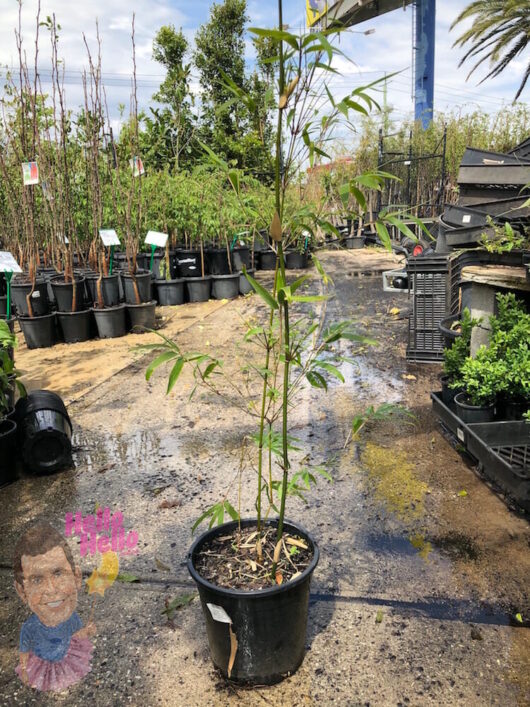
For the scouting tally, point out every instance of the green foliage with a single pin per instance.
(9, 375)
(383, 412)
(498, 34)
(455, 355)
(504, 238)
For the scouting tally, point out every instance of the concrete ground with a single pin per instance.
(414, 597)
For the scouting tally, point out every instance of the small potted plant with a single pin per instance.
(456, 354)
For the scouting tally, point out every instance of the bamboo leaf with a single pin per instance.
(175, 373)
(158, 361)
(261, 291)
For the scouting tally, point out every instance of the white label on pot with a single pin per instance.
(466, 218)
(156, 238)
(109, 236)
(35, 295)
(186, 260)
(8, 263)
(219, 614)
(460, 434)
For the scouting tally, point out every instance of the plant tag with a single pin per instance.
(460, 434)
(466, 218)
(35, 295)
(8, 263)
(109, 236)
(30, 173)
(156, 238)
(219, 614)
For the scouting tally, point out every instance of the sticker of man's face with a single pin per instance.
(50, 586)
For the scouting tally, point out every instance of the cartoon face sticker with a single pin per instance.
(55, 648)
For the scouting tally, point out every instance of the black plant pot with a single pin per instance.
(512, 410)
(64, 293)
(3, 307)
(39, 299)
(354, 242)
(110, 289)
(143, 280)
(473, 413)
(449, 335)
(218, 261)
(39, 332)
(170, 292)
(199, 288)
(244, 285)
(448, 394)
(158, 259)
(188, 262)
(45, 432)
(240, 258)
(267, 260)
(8, 438)
(269, 625)
(294, 260)
(141, 316)
(75, 326)
(110, 322)
(225, 286)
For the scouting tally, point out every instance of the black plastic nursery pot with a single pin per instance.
(449, 335)
(39, 332)
(3, 306)
(472, 413)
(45, 432)
(267, 260)
(75, 326)
(512, 410)
(240, 258)
(269, 625)
(244, 285)
(170, 292)
(110, 321)
(225, 286)
(110, 289)
(188, 262)
(448, 393)
(141, 316)
(64, 293)
(354, 242)
(8, 438)
(218, 261)
(20, 289)
(143, 280)
(199, 288)
(294, 260)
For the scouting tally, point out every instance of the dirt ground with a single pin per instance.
(414, 599)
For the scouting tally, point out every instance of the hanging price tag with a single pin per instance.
(30, 173)
(156, 238)
(109, 237)
(8, 263)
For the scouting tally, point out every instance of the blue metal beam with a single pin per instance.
(424, 60)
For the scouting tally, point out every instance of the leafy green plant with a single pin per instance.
(455, 355)
(385, 411)
(504, 238)
(9, 375)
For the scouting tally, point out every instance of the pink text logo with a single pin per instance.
(101, 533)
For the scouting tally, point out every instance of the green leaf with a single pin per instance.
(384, 235)
(213, 157)
(261, 291)
(277, 35)
(167, 356)
(231, 511)
(126, 577)
(316, 380)
(358, 196)
(310, 298)
(333, 370)
(379, 617)
(177, 603)
(519, 618)
(233, 177)
(175, 373)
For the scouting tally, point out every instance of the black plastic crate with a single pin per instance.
(502, 449)
(428, 281)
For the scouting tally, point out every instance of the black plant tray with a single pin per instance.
(469, 236)
(502, 449)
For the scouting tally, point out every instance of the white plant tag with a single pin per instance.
(460, 434)
(156, 238)
(219, 614)
(35, 295)
(466, 218)
(8, 263)
(109, 236)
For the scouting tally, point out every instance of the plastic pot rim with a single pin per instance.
(467, 406)
(139, 306)
(254, 594)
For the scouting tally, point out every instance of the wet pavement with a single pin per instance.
(414, 597)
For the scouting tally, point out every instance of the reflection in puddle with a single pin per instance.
(423, 546)
(94, 451)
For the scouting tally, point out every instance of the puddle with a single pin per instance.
(93, 452)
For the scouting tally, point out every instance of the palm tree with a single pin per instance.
(500, 32)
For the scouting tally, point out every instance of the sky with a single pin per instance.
(388, 49)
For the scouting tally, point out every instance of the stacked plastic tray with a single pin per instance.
(429, 285)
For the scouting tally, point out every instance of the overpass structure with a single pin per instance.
(322, 13)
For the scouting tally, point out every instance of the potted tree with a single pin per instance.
(256, 627)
